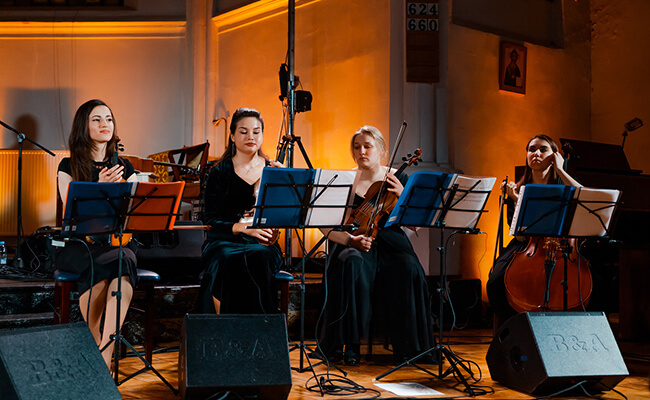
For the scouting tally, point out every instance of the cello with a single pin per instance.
(536, 282)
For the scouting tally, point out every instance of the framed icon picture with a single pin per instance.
(512, 67)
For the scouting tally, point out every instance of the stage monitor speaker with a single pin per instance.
(245, 354)
(55, 363)
(541, 353)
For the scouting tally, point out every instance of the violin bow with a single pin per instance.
(498, 245)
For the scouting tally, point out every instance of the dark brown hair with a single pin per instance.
(240, 114)
(528, 174)
(81, 145)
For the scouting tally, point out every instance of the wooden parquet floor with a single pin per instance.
(470, 345)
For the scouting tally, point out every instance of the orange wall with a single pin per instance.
(341, 58)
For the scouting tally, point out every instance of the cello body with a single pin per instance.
(534, 278)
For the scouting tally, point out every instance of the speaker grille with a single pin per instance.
(543, 352)
(54, 362)
(247, 354)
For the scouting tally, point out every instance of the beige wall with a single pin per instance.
(49, 69)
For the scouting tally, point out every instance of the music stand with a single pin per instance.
(116, 208)
(563, 212)
(439, 200)
(293, 198)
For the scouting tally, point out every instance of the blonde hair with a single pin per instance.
(375, 134)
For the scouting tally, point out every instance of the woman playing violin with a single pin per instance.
(93, 144)
(239, 263)
(374, 280)
(544, 165)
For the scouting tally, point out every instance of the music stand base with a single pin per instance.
(147, 367)
(444, 352)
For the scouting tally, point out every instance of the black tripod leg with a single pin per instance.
(411, 362)
(454, 361)
(148, 367)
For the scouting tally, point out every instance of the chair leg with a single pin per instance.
(149, 318)
(284, 299)
(61, 302)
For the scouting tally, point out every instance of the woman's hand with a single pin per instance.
(361, 242)
(277, 164)
(558, 161)
(264, 236)
(394, 185)
(113, 174)
(511, 190)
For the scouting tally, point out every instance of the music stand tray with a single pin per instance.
(440, 200)
(116, 208)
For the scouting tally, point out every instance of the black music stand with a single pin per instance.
(439, 200)
(115, 208)
(563, 212)
(292, 198)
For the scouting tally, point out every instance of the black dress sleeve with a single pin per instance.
(64, 166)
(128, 168)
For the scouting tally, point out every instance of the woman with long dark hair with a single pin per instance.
(544, 165)
(93, 142)
(239, 263)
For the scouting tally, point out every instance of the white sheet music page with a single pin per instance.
(473, 201)
(592, 204)
(338, 194)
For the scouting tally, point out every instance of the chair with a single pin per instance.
(194, 158)
(282, 279)
(66, 282)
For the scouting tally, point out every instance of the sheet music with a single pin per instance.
(335, 195)
(474, 200)
(591, 204)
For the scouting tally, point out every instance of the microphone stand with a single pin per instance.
(18, 261)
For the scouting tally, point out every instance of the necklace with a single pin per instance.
(251, 166)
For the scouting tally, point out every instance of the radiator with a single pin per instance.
(38, 190)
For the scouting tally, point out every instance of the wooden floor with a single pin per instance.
(470, 345)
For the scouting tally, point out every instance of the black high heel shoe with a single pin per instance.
(351, 355)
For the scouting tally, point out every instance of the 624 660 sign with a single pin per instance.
(422, 64)
(422, 17)
(421, 24)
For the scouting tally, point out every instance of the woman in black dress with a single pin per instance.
(544, 165)
(239, 263)
(93, 141)
(377, 281)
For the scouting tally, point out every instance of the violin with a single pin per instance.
(378, 202)
(535, 278)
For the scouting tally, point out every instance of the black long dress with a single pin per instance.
(75, 257)
(238, 271)
(384, 288)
